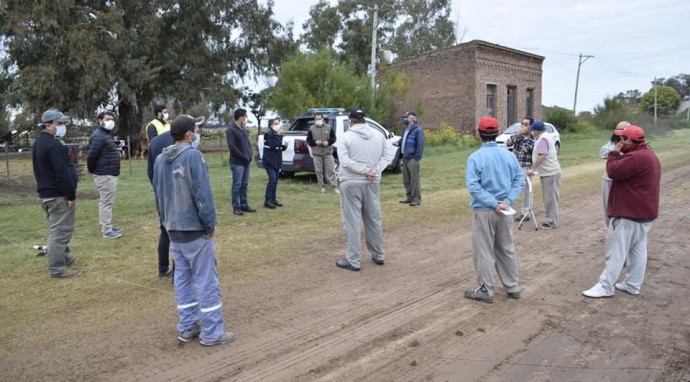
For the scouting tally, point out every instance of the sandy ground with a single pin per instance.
(407, 320)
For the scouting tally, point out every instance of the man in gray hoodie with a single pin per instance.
(363, 155)
(186, 207)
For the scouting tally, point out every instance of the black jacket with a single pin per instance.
(103, 158)
(55, 174)
(238, 143)
(155, 148)
(273, 150)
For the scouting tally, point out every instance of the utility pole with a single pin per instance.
(577, 80)
(374, 27)
(655, 100)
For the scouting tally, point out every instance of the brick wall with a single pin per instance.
(450, 85)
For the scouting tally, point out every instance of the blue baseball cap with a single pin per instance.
(537, 125)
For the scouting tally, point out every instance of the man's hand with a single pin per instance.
(325, 143)
(318, 143)
(71, 203)
(372, 174)
(501, 206)
(619, 146)
(279, 132)
(209, 235)
(530, 172)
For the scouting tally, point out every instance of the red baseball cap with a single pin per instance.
(636, 133)
(488, 125)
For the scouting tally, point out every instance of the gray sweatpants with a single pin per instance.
(107, 187)
(60, 230)
(626, 243)
(551, 190)
(492, 248)
(605, 190)
(359, 202)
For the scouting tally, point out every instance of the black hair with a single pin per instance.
(270, 122)
(488, 137)
(239, 113)
(158, 108)
(102, 114)
(530, 119)
(315, 114)
(615, 138)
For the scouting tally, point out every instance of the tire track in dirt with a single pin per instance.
(408, 320)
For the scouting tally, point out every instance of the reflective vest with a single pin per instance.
(161, 127)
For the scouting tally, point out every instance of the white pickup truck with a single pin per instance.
(298, 157)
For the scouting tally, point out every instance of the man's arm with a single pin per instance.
(331, 137)
(64, 171)
(474, 186)
(95, 148)
(517, 183)
(233, 145)
(151, 131)
(419, 150)
(386, 158)
(346, 162)
(310, 139)
(201, 192)
(606, 149)
(619, 166)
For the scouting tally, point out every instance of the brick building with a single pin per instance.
(460, 84)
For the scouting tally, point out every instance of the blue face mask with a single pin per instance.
(405, 122)
(195, 143)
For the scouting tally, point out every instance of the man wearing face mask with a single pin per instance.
(103, 161)
(237, 137)
(321, 137)
(411, 149)
(156, 148)
(272, 160)
(56, 183)
(633, 205)
(160, 124)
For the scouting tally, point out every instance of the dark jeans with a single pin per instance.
(163, 251)
(272, 185)
(240, 182)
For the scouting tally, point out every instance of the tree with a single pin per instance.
(667, 102)
(350, 23)
(78, 55)
(608, 115)
(681, 83)
(321, 80)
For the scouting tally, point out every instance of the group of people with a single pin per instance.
(495, 178)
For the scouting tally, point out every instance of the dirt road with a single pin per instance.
(407, 320)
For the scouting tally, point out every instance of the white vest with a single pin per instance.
(550, 165)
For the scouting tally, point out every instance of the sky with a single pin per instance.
(632, 41)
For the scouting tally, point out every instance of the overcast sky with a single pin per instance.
(632, 41)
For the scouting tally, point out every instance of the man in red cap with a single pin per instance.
(494, 180)
(633, 205)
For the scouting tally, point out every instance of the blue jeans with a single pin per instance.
(240, 181)
(272, 185)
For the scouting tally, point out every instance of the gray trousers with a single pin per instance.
(410, 173)
(60, 230)
(605, 190)
(551, 190)
(107, 187)
(626, 243)
(492, 248)
(324, 164)
(359, 202)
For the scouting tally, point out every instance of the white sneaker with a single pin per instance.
(323, 190)
(597, 291)
(627, 289)
(337, 191)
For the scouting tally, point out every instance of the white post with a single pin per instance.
(655, 99)
(374, 27)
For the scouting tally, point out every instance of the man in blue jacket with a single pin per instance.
(185, 204)
(103, 161)
(494, 180)
(412, 147)
(56, 183)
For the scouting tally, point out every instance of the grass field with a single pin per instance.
(120, 282)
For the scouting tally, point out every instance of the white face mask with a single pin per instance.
(195, 142)
(275, 128)
(61, 131)
(109, 125)
(319, 123)
(166, 116)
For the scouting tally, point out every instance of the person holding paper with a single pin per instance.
(494, 180)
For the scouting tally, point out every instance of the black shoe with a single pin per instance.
(377, 261)
(247, 209)
(406, 201)
(277, 203)
(166, 273)
(414, 203)
(237, 212)
(343, 263)
(519, 218)
(514, 295)
(270, 205)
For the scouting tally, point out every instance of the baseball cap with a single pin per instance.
(410, 113)
(633, 132)
(184, 123)
(357, 113)
(53, 115)
(537, 125)
(488, 125)
(198, 121)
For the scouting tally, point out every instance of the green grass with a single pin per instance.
(120, 283)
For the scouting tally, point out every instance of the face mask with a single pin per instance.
(166, 116)
(405, 122)
(319, 123)
(195, 142)
(61, 131)
(109, 125)
(275, 128)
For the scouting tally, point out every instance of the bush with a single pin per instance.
(447, 135)
(563, 119)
